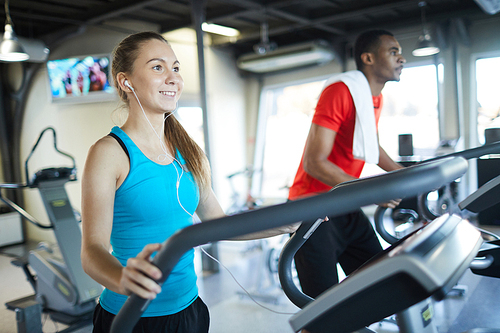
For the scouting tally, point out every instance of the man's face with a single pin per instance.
(388, 61)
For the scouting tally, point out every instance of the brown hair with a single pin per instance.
(124, 56)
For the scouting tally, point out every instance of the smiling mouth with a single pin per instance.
(168, 93)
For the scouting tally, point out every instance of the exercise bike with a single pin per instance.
(62, 289)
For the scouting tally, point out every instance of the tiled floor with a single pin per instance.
(231, 309)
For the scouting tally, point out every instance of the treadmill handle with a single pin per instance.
(378, 218)
(285, 262)
(488, 149)
(480, 263)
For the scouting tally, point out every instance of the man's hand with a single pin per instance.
(391, 204)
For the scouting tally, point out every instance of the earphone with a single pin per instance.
(128, 85)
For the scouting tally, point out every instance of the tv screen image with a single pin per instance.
(80, 79)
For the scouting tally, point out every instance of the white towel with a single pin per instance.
(365, 141)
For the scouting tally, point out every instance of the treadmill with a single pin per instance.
(426, 263)
(344, 198)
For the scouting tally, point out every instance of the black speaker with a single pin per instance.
(487, 169)
(492, 135)
(405, 145)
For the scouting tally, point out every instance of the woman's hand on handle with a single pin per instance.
(139, 275)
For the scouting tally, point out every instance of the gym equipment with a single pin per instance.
(446, 200)
(267, 288)
(487, 149)
(62, 288)
(427, 263)
(488, 258)
(487, 261)
(342, 199)
(416, 318)
(487, 169)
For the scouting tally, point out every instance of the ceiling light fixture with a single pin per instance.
(489, 6)
(10, 48)
(219, 30)
(425, 45)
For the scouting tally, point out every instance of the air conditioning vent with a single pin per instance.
(312, 53)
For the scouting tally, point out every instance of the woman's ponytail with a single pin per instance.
(194, 156)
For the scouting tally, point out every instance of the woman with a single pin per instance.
(142, 183)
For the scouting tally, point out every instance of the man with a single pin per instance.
(336, 152)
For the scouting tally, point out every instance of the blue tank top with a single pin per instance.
(147, 210)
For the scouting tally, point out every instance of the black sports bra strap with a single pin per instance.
(121, 143)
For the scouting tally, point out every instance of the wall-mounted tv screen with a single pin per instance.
(81, 79)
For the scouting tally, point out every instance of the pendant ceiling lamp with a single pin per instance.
(425, 45)
(10, 48)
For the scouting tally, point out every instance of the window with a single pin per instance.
(488, 97)
(284, 122)
(410, 107)
(191, 119)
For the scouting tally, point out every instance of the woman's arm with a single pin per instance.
(106, 167)
(210, 209)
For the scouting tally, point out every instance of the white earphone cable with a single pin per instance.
(162, 158)
(239, 284)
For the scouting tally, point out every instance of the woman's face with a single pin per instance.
(156, 78)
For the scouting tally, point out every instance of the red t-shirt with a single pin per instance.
(335, 110)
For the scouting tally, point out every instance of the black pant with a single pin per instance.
(193, 319)
(349, 240)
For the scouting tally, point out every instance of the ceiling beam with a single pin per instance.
(318, 23)
(276, 12)
(124, 10)
(55, 38)
(305, 22)
(367, 11)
